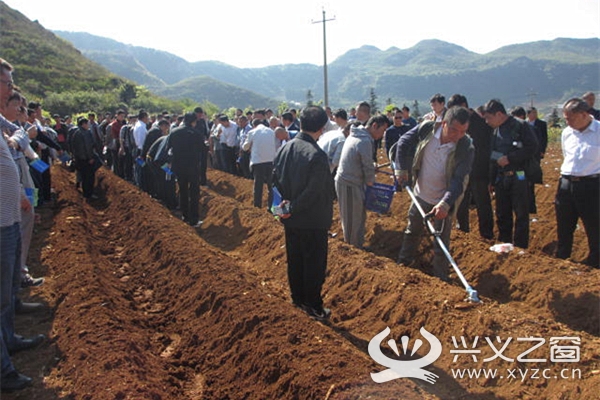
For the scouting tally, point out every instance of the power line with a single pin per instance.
(531, 95)
(325, 88)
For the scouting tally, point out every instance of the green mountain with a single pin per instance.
(45, 63)
(553, 70)
(50, 68)
(206, 89)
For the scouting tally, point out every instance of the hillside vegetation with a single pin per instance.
(554, 70)
(51, 69)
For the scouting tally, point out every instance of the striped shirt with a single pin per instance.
(10, 190)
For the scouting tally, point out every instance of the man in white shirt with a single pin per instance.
(262, 144)
(578, 191)
(139, 135)
(227, 132)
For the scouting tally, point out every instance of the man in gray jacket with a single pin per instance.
(441, 170)
(355, 172)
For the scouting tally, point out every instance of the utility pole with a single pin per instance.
(325, 89)
(531, 95)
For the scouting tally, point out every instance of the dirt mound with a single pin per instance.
(146, 307)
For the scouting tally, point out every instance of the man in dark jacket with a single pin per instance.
(82, 147)
(514, 144)
(203, 130)
(441, 168)
(540, 129)
(185, 145)
(301, 174)
(477, 190)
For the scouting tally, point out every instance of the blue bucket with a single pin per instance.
(378, 197)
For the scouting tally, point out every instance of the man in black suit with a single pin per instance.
(590, 99)
(541, 131)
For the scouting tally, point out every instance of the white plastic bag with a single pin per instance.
(502, 247)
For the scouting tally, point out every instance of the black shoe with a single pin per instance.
(28, 308)
(30, 281)
(26, 343)
(14, 381)
(320, 313)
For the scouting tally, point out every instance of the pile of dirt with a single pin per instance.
(143, 306)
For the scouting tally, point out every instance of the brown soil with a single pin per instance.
(141, 306)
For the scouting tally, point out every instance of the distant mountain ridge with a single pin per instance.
(554, 70)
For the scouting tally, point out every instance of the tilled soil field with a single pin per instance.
(142, 306)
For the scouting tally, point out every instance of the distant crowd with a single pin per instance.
(454, 159)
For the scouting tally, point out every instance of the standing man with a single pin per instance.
(355, 172)
(441, 171)
(540, 129)
(332, 142)
(590, 99)
(478, 188)
(393, 133)
(111, 140)
(82, 147)
(126, 148)
(577, 195)
(244, 127)
(301, 173)
(513, 145)
(262, 145)
(227, 133)
(95, 131)
(407, 119)
(185, 145)
(140, 131)
(203, 130)
(438, 108)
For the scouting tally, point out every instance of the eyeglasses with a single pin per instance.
(397, 117)
(9, 84)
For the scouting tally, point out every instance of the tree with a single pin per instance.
(127, 92)
(416, 114)
(389, 108)
(553, 118)
(309, 98)
(282, 107)
(373, 102)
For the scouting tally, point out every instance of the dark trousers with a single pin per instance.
(229, 159)
(245, 165)
(477, 192)
(114, 161)
(532, 205)
(189, 193)
(263, 174)
(307, 262)
(126, 166)
(512, 196)
(88, 175)
(574, 200)
(203, 165)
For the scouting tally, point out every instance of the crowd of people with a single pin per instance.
(454, 158)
